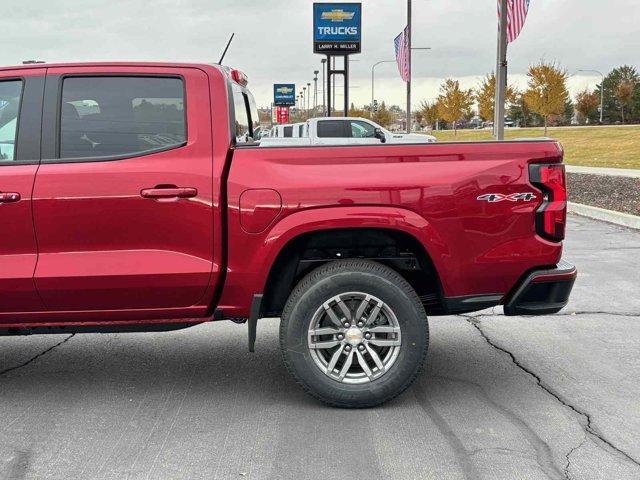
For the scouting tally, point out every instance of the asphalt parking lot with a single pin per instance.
(500, 398)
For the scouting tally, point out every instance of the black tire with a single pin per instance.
(370, 278)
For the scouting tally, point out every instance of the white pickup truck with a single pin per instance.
(344, 131)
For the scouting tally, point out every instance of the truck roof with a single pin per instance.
(114, 64)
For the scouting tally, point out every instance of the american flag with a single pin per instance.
(516, 15)
(402, 54)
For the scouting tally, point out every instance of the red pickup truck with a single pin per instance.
(137, 197)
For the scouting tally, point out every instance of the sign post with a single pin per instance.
(337, 31)
(501, 74)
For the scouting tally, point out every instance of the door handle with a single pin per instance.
(169, 192)
(9, 197)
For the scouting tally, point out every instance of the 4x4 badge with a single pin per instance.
(499, 197)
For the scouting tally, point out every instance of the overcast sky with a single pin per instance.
(273, 38)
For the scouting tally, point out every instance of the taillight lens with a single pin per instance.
(551, 216)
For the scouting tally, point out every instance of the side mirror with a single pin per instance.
(379, 134)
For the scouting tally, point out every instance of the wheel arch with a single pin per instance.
(310, 238)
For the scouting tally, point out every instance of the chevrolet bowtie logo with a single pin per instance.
(337, 15)
(284, 90)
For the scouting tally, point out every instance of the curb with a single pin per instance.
(610, 172)
(597, 213)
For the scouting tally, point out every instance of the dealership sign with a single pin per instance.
(284, 94)
(337, 28)
(282, 115)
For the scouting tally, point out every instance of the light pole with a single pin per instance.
(308, 99)
(315, 91)
(304, 98)
(601, 90)
(372, 79)
(324, 99)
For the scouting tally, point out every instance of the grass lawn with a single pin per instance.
(617, 146)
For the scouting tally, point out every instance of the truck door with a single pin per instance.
(123, 198)
(20, 115)
(362, 133)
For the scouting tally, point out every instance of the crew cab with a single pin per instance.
(346, 131)
(135, 197)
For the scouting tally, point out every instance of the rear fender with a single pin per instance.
(250, 264)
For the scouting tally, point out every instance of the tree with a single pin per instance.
(547, 92)
(454, 104)
(358, 112)
(486, 93)
(586, 103)
(520, 113)
(612, 111)
(383, 116)
(624, 93)
(429, 113)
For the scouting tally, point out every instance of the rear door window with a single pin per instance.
(10, 95)
(121, 116)
(241, 114)
(332, 129)
(288, 131)
(255, 117)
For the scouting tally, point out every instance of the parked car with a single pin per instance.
(351, 131)
(282, 131)
(300, 130)
(155, 209)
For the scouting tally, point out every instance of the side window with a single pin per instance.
(287, 131)
(241, 114)
(255, 117)
(10, 94)
(301, 131)
(362, 129)
(115, 116)
(331, 129)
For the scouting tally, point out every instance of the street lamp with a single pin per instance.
(308, 98)
(315, 90)
(304, 99)
(372, 79)
(601, 90)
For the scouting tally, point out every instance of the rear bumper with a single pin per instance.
(542, 291)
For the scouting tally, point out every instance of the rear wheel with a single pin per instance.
(353, 333)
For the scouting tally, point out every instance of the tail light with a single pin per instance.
(551, 216)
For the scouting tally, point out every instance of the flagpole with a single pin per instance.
(501, 74)
(409, 60)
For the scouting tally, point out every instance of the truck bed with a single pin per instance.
(479, 248)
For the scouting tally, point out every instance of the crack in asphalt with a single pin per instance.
(588, 428)
(567, 466)
(33, 359)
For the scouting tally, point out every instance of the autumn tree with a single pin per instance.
(358, 112)
(486, 93)
(586, 103)
(383, 116)
(624, 93)
(547, 92)
(428, 113)
(612, 107)
(454, 103)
